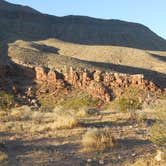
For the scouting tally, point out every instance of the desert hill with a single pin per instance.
(20, 22)
(5, 6)
(79, 41)
(55, 53)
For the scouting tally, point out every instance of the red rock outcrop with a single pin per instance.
(41, 74)
(98, 84)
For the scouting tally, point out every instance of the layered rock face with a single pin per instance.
(99, 84)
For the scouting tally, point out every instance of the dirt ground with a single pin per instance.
(25, 146)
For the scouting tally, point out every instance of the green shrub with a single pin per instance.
(6, 100)
(46, 106)
(128, 104)
(78, 101)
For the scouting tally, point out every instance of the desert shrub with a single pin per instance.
(128, 104)
(130, 100)
(6, 100)
(158, 130)
(98, 139)
(47, 104)
(136, 93)
(78, 101)
(64, 119)
(158, 134)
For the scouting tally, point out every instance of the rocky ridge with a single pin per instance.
(99, 84)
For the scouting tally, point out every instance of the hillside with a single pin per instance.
(8, 7)
(52, 53)
(28, 24)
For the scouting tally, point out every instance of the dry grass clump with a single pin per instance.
(3, 156)
(158, 130)
(64, 119)
(24, 120)
(20, 113)
(98, 139)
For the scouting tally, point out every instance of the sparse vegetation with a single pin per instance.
(78, 101)
(158, 134)
(64, 119)
(128, 104)
(59, 116)
(158, 130)
(47, 104)
(98, 139)
(130, 100)
(6, 100)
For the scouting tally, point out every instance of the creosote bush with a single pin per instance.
(98, 139)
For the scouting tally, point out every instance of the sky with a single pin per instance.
(151, 13)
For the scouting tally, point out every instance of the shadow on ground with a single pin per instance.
(159, 57)
(150, 75)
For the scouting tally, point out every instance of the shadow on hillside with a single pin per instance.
(45, 48)
(159, 57)
(15, 79)
(156, 77)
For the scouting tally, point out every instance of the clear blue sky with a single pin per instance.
(151, 13)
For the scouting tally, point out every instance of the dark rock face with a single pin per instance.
(29, 24)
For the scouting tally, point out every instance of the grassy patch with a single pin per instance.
(46, 104)
(79, 100)
(128, 104)
(132, 99)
